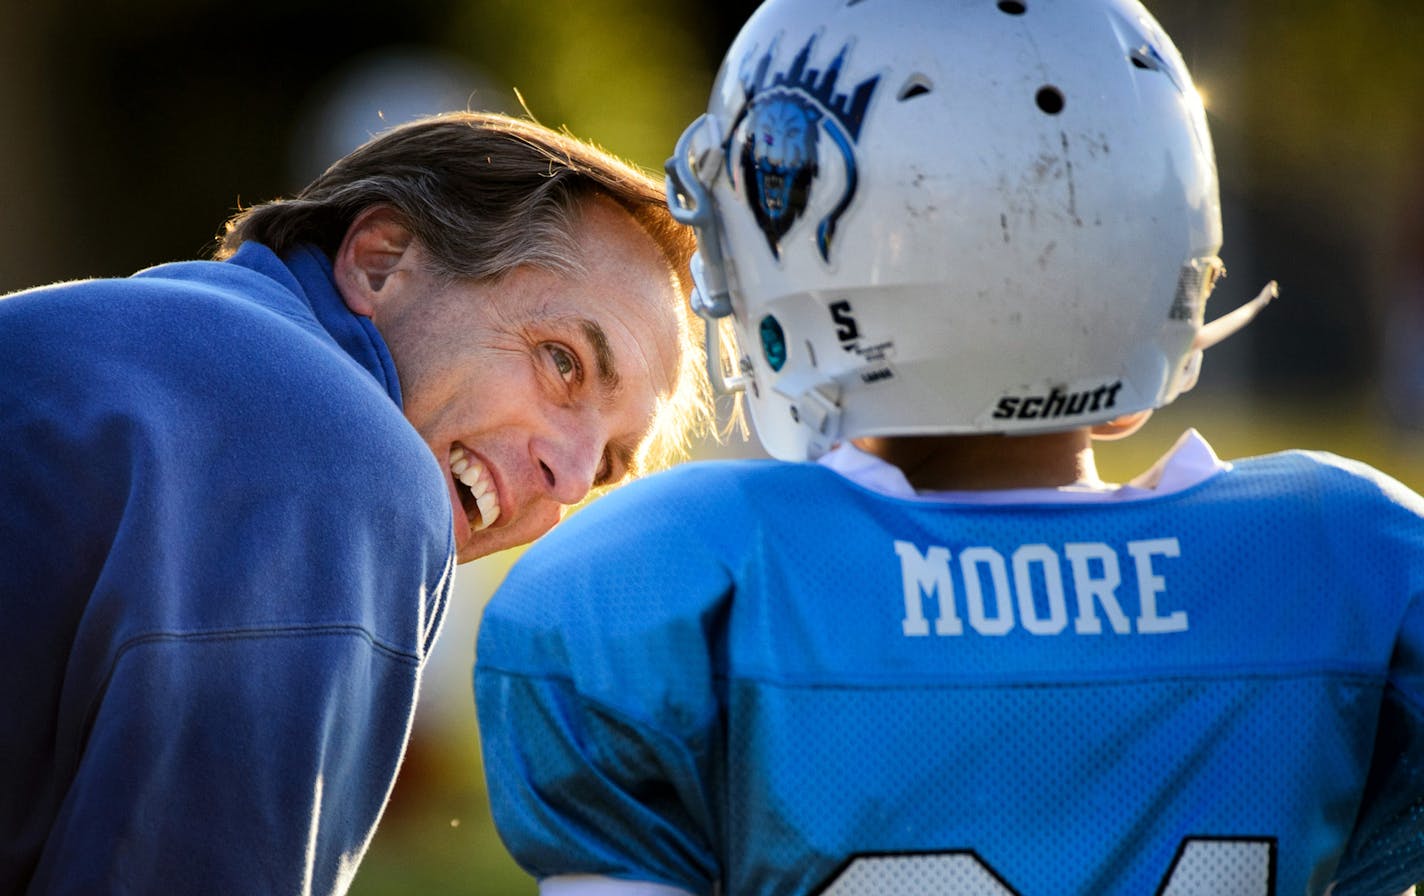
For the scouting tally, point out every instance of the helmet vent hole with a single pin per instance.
(1146, 58)
(1013, 7)
(915, 85)
(1049, 99)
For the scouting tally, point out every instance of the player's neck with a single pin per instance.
(987, 462)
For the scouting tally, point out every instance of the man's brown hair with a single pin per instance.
(485, 193)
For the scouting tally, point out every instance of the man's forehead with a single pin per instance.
(626, 307)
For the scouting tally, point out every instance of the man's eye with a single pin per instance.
(564, 362)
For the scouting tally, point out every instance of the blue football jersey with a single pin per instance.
(754, 677)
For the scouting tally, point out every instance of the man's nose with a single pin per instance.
(569, 461)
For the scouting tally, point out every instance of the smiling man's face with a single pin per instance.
(533, 388)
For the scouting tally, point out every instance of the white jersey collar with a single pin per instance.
(1189, 462)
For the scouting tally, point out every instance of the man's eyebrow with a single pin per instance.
(602, 354)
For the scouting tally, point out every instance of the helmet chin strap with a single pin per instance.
(1214, 332)
(1232, 321)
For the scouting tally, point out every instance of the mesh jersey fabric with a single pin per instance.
(753, 677)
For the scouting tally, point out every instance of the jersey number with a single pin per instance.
(1203, 866)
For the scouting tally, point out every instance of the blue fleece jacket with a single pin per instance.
(224, 557)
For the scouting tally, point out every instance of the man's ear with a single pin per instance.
(374, 246)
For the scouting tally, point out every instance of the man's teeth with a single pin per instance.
(477, 479)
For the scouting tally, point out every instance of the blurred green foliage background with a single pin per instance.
(132, 129)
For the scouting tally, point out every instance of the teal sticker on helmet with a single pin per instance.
(773, 343)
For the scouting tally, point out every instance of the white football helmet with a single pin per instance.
(951, 216)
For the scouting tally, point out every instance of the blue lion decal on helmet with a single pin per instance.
(780, 130)
(779, 161)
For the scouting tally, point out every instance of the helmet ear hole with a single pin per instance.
(1013, 7)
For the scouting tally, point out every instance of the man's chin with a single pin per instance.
(492, 541)
(479, 545)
